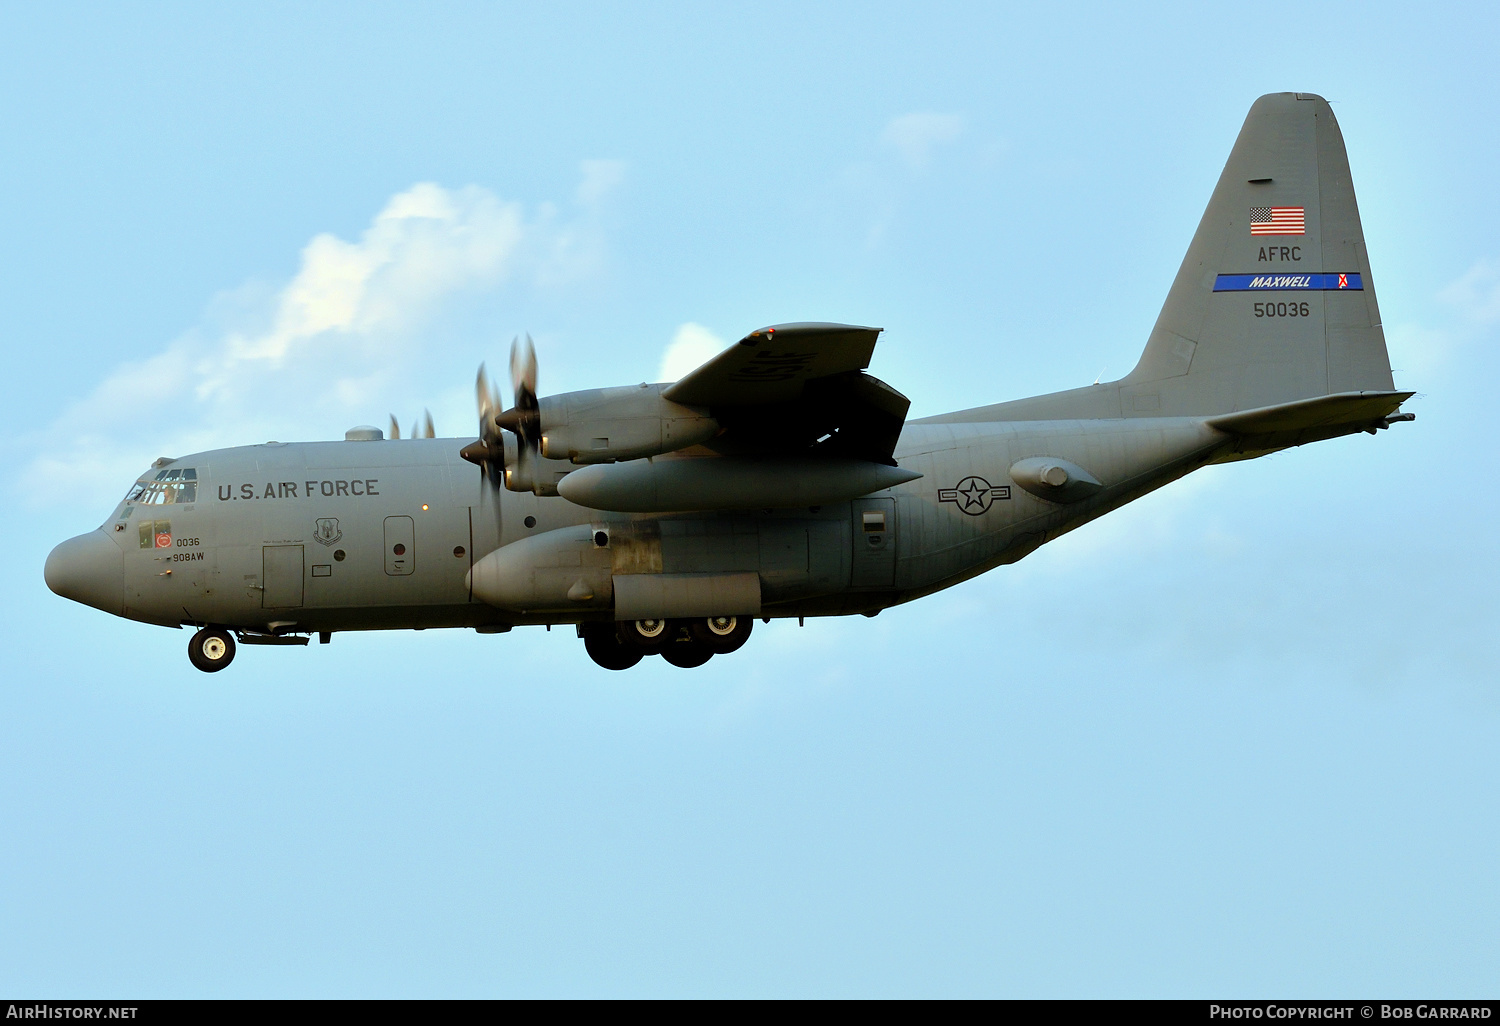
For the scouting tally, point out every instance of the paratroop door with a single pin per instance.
(281, 576)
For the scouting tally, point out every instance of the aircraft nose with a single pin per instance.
(89, 569)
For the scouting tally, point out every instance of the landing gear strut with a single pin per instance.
(211, 649)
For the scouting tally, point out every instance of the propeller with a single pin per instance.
(524, 420)
(427, 431)
(489, 452)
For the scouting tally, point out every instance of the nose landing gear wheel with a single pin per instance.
(211, 649)
(605, 647)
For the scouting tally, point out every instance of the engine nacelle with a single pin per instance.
(604, 425)
(566, 569)
(537, 475)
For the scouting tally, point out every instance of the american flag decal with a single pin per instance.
(1277, 221)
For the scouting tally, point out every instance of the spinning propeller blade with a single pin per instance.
(489, 452)
(523, 370)
(524, 420)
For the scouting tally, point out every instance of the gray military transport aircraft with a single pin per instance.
(777, 480)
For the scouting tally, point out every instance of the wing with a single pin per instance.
(798, 388)
(774, 364)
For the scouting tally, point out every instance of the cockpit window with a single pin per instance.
(168, 488)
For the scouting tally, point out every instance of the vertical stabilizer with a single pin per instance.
(1274, 301)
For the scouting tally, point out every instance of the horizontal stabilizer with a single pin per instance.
(1309, 420)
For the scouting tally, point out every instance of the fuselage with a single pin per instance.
(782, 445)
(380, 534)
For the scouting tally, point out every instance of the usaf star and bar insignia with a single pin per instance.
(974, 495)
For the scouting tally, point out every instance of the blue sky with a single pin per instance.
(1236, 739)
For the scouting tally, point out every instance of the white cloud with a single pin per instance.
(428, 243)
(600, 178)
(1421, 353)
(1418, 352)
(1476, 294)
(915, 136)
(692, 346)
(340, 340)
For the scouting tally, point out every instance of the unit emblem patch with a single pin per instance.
(974, 495)
(327, 531)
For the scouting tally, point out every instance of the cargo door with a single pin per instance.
(874, 554)
(400, 546)
(281, 576)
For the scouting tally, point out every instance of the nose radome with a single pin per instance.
(89, 569)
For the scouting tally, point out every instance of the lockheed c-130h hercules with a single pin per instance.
(779, 479)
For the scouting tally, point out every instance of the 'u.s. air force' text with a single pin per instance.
(309, 489)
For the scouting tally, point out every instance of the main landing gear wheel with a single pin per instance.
(604, 647)
(687, 652)
(211, 649)
(650, 636)
(722, 634)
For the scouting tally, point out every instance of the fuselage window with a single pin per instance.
(169, 488)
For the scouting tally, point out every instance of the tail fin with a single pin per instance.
(1274, 301)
